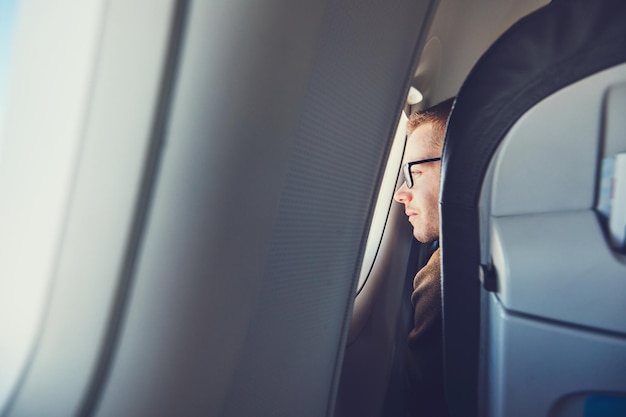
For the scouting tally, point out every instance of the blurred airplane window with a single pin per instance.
(7, 16)
(384, 201)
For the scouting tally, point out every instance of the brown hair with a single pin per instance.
(437, 115)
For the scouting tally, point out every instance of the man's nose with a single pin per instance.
(402, 195)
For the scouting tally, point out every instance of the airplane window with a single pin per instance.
(384, 201)
(7, 13)
(7, 17)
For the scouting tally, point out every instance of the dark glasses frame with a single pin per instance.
(406, 169)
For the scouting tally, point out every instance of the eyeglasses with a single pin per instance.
(406, 169)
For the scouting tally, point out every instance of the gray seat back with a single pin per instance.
(520, 172)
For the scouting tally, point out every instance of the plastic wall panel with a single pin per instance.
(559, 266)
(535, 365)
(199, 270)
(247, 270)
(550, 154)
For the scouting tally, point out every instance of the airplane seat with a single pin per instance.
(534, 291)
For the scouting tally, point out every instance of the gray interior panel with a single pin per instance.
(549, 160)
(246, 274)
(587, 289)
(536, 365)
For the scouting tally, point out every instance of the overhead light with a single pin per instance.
(414, 96)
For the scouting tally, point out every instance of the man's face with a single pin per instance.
(421, 202)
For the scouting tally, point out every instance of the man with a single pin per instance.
(420, 195)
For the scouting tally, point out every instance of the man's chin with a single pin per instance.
(422, 238)
(419, 237)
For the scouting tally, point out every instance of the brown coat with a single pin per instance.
(425, 342)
